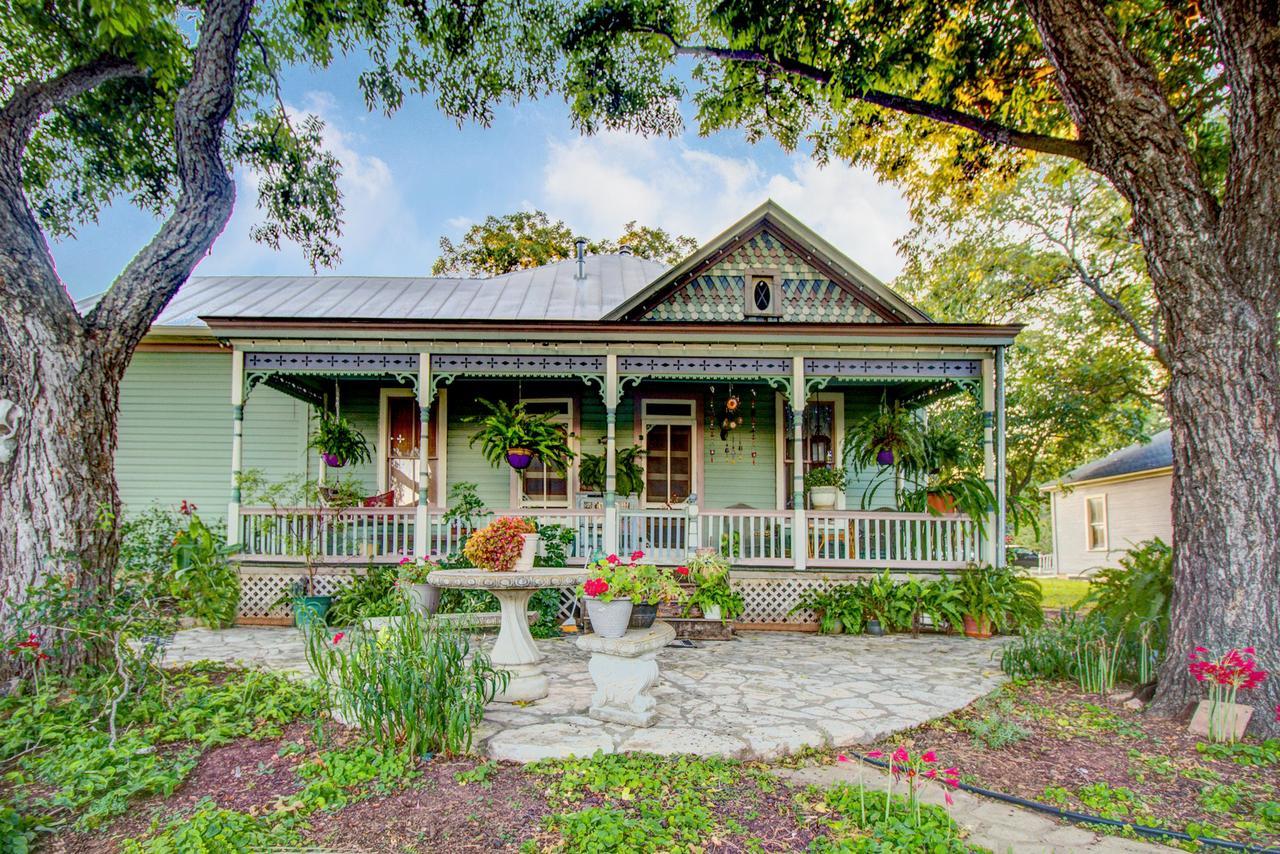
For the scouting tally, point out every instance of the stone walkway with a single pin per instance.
(991, 824)
(761, 696)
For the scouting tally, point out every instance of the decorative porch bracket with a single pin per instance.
(447, 367)
(277, 368)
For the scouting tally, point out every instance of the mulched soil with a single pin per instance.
(1076, 739)
(433, 812)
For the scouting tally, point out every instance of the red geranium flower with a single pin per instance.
(636, 555)
(613, 559)
(338, 637)
(595, 586)
(682, 570)
(929, 756)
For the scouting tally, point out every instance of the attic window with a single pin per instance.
(762, 294)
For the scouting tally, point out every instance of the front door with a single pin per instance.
(669, 452)
(402, 442)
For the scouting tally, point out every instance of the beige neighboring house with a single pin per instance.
(1103, 508)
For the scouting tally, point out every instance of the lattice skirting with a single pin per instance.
(767, 596)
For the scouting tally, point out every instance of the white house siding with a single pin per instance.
(1137, 509)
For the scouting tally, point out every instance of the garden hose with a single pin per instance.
(1085, 818)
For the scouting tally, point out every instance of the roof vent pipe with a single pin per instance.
(624, 249)
(581, 245)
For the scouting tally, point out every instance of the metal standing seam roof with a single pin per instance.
(549, 292)
(1156, 454)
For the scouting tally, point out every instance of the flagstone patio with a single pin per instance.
(761, 696)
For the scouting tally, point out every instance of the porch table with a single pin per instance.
(514, 649)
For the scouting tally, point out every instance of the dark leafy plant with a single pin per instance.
(1001, 596)
(1133, 601)
(506, 427)
(204, 582)
(465, 505)
(713, 589)
(824, 476)
(629, 474)
(373, 594)
(335, 436)
(839, 608)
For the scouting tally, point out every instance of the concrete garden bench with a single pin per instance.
(624, 669)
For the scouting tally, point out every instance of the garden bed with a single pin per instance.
(1051, 743)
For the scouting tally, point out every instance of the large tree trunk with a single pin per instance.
(1224, 400)
(1216, 271)
(58, 498)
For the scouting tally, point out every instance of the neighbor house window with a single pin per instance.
(1095, 517)
(669, 451)
(539, 485)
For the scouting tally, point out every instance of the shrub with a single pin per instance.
(374, 594)
(1002, 595)
(416, 684)
(204, 582)
(1133, 601)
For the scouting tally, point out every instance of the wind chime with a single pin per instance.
(725, 424)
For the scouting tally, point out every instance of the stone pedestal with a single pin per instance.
(514, 650)
(624, 669)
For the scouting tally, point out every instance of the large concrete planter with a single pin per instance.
(609, 619)
(425, 598)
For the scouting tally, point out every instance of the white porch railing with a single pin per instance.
(833, 538)
(355, 535)
(891, 540)
(385, 534)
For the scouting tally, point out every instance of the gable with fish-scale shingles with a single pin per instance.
(809, 295)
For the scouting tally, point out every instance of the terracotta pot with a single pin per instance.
(519, 458)
(939, 503)
(977, 628)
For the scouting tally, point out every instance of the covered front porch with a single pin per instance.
(702, 485)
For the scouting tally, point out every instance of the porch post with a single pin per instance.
(611, 454)
(421, 533)
(1001, 485)
(800, 527)
(988, 549)
(237, 444)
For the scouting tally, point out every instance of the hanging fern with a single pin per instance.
(506, 427)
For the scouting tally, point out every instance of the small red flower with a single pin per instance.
(636, 555)
(187, 508)
(595, 587)
(929, 756)
(875, 754)
(901, 756)
(947, 795)
(613, 559)
(842, 758)
(682, 570)
(338, 637)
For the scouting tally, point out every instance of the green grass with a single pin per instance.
(1062, 592)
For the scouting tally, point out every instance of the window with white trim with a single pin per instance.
(540, 486)
(670, 457)
(1095, 519)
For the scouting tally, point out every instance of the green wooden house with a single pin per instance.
(767, 328)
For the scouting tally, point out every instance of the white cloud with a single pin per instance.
(599, 183)
(380, 233)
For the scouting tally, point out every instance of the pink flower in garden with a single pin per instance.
(951, 772)
(929, 756)
(636, 555)
(405, 560)
(875, 754)
(338, 637)
(947, 795)
(595, 587)
(842, 758)
(901, 756)
(932, 773)
(614, 559)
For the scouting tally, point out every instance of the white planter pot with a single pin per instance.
(527, 552)
(823, 497)
(609, 619)
(425, 598)
(711, 612)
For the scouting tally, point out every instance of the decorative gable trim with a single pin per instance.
(854, 283)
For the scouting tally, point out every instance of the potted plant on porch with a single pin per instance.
(997, 599)
(892, 435)
(824, 485)
(508, 543)
(607, 592)
(338, 442)
(714, 596)
(651, 587)
(512, 434)
(630, 476)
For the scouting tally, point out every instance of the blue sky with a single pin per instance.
(416, 176)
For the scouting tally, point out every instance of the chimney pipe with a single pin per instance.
(624, 249)
(581, 245)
